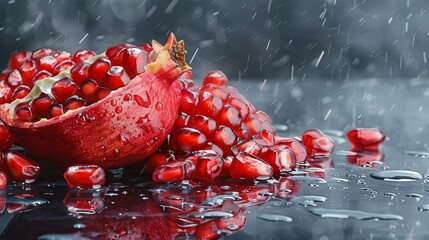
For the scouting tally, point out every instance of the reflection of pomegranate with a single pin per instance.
(365, 158)
(98, 112)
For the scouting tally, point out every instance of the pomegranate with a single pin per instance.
(96, 112)
(366, 138)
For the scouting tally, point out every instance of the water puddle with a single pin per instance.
(359, 215)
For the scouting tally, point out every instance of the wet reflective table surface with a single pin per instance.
(332, 198)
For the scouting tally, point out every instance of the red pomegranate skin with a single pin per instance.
(125, 127)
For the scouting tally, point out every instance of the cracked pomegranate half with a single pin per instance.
(111, 110)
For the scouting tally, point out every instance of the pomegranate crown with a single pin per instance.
(175, 48)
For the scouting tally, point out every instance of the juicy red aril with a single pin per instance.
(157, 159)
(317, 143)
(134, 61)
(116, 77)
(102, 92)
(209, 166)
(47, 63)
(63, 89)
(174, 171)
(366, 138)
(248, 166)
(242, 131)
(62, 66)
(297, 147)
(280, 157)
(23, 112)
(27, 70)
(229, 116)
(62, 56)
(82, 55)
(224, 138)
(41, 105)
(251, 147)
(20, 92)
(79, 72)
(19, 167)
(209, 105)
(55, 110)
(253, 124)
(42, 52)
(215, 77)
(116, 53)
(3, 180)
(17, 59)
(6, 138)
(180, 122)
(205, 125)
(14, 78)
(73, 102)
(98, 69)
(188, 101)
(84, 176)
(188, 139)
(88, 90)
(41, 75)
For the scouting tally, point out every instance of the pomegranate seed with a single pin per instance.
(263, 117)
(4, 74)
(253, 124)
(296, 146)
(148, 48)
(188, 139)
(224, 138)
(248, 166)
(209, 105)
(47, 63)
(267, 136)
(41, 105)
(215, 77)
(226, 166)
(28, 70)
(102, 92)
(157, 159)
(17, 59)
(79, 72)
(116, 53)
(251, 147)
(134, 61)
(41, 75)
(42, 52)
(19, 167)
(240, 106)
(82, 55)
(229, 116)
(3, 180)
(280, 157)
(98, 69)
(204, 124)
(218, 91)
(181, 121)
(366, 138)
(88, 90)
(6, 138)
(14, 78)
(209, 166)
(242, 131)
(73, 102)
(363, 158)
(212, 147)
(85, 176)
(62, 66)
(55, 110)
(23, 112)
(317, 143)
(20, 92)
(174, 171)
(116, 77)
(63, 89)
(62, 56)
(188, 101)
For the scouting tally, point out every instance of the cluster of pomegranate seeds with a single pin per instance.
(88, 82)
(85, 176)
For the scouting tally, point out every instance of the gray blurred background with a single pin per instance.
(253, 39)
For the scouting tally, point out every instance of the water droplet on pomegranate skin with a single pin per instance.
(143, 100)
(124, 137)
(84, 176)
(366, 138)
(159, 106)
(174, 171)
(118, 109)
(128, 97)
(317, 143)
(113, 102)
(81, 119)
(19, 167)
(248, 166)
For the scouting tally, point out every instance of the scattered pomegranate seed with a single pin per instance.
(174, 171)
(215, 77)
(73, 102)
(20, 92)
(98, 69)
(79, 72)
(297, 147)
(19, 167)
(55, 110)
(17, 59)
(41, 105)
(116, 77)
(366, 138)
(23, 112)
(3, 180)
(85, 176)
(82, 55)
(27, 70)
(14, 78)
(248, 166)
(134, 61)
(317, 143)
(63, 89)
(280, 157)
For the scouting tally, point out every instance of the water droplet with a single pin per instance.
(359, 215)
(110, 114)
(413, 195)
(209, 214)
(124, 137)
(417, 154)
(79, 226)
(423, 208)
(307, 179)
(81, 119)
(143, 100)
(345, 153)
(174, 197)
(118, 109)
(397, 175)
(308, 200)
(390, 195)
(159, 106)
(274, 218)
(113, 102)
(128, 97)
(336, 179)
